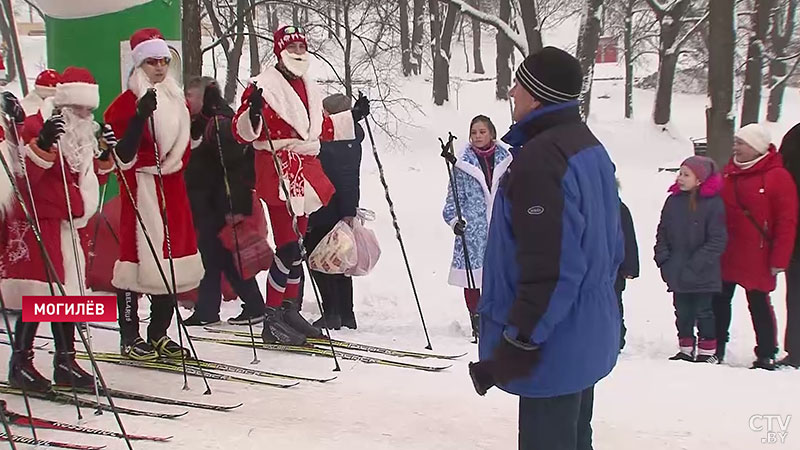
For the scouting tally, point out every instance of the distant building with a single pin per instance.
(607, 50)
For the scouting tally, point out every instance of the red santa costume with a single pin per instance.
(25, 272)
(44, 87)
(136, 270)
(295, 124)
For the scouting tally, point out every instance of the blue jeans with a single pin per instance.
(556, 423)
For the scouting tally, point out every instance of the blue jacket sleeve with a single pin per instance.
(449, 212)
(548, 228)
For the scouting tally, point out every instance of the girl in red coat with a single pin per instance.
(761, 211)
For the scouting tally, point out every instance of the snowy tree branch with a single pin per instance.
(520, 42)
(678, 44)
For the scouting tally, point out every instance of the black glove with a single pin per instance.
(108, 140)
(360, 109)
(459, 227)
(256, 105)
(147, 104)
(12, 107)
(51, 131)
(212, 101)
(511, 360)
(198, 127)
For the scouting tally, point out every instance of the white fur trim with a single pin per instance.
(32, 102)
(458, 277)
(90, 193)
(71, 284)
(36, 159)
(13, 289)
(477, 173)
(344, 127)
(78, 93)
(244, 128)
(124, 166)
(282, 98)
(44, 91)
(152, 48)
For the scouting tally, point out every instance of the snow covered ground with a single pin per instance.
(647, 401)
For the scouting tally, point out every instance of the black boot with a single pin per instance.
(476, 321)
(789, 361)
(63, 364)
(720, 354)
(22, 373)
(291, 315)
(277, 331)
(333, 321)
(764, 363)
(350, 322)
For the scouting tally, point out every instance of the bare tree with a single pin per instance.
(753, 76)
(503, 58)
(781, 35)
(719, 115)
(476, 39)
(530, 21)
(11, 36)
(587, 49)
(416, 36)
(672, 16)
(252, 41)
(405, 38)
(190, 37)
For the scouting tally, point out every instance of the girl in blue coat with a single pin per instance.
(689, 244)
(477, 171)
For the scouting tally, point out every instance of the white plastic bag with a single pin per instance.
(336, 253)
(367, 248)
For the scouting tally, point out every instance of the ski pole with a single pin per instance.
(397, 229)
(7, 428)
(233, 226)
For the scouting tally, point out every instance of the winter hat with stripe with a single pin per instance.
(551, 76)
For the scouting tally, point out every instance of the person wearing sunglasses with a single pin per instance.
(151, 118)
(281, 111)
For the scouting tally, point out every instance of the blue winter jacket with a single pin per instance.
(555, 245)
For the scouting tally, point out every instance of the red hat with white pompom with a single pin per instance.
(77, 87)
(285, 36)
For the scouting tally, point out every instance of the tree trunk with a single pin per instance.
(11, 66)
(295, 15)
(504, 49)
(587, 50)
(14, 44)
(235, 55)
(530, 20)
(759, 23)
(348, 46)
(337, 7)
(405, 39)
(190, 37)
(780, 37)
(416, 36)
(628, 41)
(719, 115)
(441, 73)
(255, 60)
(668, 61)
(476, 39)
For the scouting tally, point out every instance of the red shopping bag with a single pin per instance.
(250, 240)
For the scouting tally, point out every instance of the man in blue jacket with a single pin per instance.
(550, 324)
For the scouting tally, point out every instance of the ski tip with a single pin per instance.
(228, 408)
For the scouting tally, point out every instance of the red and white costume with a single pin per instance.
(44, 88)
(23, 263)
(136, 270)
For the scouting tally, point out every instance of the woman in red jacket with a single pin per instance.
(761, 212)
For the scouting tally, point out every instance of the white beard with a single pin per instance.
(296, 64)
(171, 116)
(79, 143)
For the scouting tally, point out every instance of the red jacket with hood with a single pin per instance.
(764, 240)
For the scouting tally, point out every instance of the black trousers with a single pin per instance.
(792, 337)
(761, 313)
(557, 423)
(336, 290)
(623, 331)
(217, 261)
(63, 335)
(691, 309)
(162, 308)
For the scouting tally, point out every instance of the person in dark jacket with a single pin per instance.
(211, 207)
(549, 318)
(689, 244)
(761, 214)
(790, 151)
(629, 269)
(341, 162)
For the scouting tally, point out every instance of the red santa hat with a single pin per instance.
(285, 36)
(46, 82)
(148, 43)
(77, 87)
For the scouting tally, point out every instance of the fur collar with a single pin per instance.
(281, 97)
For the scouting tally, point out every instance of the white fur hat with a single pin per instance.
(755, 136)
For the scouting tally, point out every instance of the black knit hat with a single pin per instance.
(551, 75)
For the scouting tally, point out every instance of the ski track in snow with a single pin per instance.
(646, 402)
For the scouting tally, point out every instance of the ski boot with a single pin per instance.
(22, 373)
(138, 350)
(277, 331)
(167, 348)
(293, 318)
(66, 371)
(195, 321)
(765, 363)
